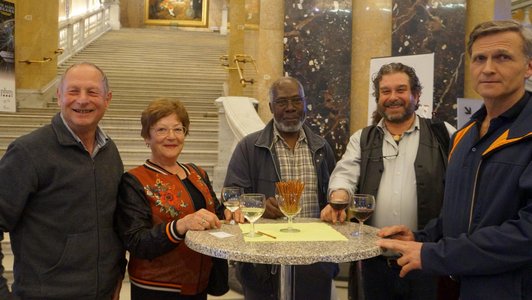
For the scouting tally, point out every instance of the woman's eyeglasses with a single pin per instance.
(163, 131)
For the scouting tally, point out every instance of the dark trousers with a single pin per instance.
(138, 293)
(380, 280)
(311, 281)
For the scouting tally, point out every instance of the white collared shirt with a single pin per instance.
(397, 195)
(101, 138)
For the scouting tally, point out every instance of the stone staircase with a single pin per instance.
(142, 65)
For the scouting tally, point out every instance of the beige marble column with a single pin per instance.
(36, 38)
(237, 18)
(270, 51)
(372, 31)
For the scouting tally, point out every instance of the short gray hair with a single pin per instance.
(498, 26)
(275, 85)
(105, 82)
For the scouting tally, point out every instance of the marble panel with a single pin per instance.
(317, 51)
(430, 26)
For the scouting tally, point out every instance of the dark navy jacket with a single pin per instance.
(484, 233)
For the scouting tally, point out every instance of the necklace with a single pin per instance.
(397, 137)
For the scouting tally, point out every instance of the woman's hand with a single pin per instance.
(200, 220)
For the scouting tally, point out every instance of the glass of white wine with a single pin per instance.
(231, 199)
(361, 207)
(252, 206)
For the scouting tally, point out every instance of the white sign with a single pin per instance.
(423, 64)
(7, 56)
(465, 109)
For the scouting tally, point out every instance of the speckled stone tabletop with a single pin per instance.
(286, 253)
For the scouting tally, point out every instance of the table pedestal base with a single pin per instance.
(287, 282)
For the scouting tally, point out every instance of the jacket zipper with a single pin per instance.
(473, 198)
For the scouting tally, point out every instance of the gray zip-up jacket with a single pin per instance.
(255, 166)
(58, 204)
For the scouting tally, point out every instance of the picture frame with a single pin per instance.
(188, 13)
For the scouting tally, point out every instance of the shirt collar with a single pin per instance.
(509, 114)
(414, 127)
(101, 137)
(277, 135)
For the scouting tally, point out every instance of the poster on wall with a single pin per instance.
(7, 56)
(423, 64)
(466, 107)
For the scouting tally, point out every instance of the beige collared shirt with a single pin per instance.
(297, 164)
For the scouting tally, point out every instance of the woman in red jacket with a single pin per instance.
(159, 202)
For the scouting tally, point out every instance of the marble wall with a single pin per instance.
(317, 51)
(429, 26)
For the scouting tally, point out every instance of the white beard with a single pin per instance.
(292, 128)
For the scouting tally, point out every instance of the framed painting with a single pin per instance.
(191, 13)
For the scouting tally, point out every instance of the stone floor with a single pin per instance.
(341, 293)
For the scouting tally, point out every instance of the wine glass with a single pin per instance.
(361, 207)
(252, 206)
(231, 199)
(290, 206)
(339, 202)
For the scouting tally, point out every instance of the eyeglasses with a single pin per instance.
(283, 102)
(380, 158)
(163, 131)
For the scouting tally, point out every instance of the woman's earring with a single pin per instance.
(147, 145)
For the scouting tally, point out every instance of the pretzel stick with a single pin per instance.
(291, 191)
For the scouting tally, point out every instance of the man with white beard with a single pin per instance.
(286, 149)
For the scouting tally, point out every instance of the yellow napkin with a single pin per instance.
(308, 232)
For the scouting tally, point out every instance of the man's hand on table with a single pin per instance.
(272, 210)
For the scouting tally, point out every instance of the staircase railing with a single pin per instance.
(237, 117)
(78, 32)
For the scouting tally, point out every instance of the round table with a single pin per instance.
(286, 254)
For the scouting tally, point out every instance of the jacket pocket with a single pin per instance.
(76, 271)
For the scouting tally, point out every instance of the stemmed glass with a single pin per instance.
(339, 203)
(361, 207)
(288, 196)
(290, 206)
(231, 199)
(252, 206)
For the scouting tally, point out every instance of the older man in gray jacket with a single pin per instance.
(285, 149)
(58, 193)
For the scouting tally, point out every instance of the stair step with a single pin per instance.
(39, 119)
(206, 112)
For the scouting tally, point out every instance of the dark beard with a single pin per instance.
(396, 118)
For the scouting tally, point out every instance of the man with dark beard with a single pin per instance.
(401, 161)
(285, 149)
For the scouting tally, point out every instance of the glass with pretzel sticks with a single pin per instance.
(288, 196)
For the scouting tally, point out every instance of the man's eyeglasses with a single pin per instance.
(380, 158)
(283, 102)
(163, 131)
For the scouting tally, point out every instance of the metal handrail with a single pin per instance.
(35, 61)
(244, 58)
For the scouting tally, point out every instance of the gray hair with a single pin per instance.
(275, 85)
(498, 26)
(105, 82)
